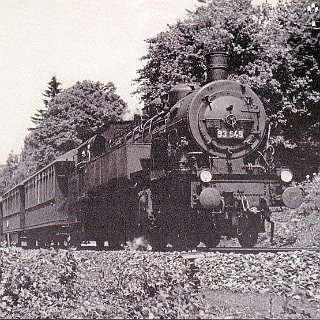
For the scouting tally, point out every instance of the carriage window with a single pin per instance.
(37, 200)
(93, 148)
(39, 189)
(32, 191)
(27, 194)
(11, 202)
(15, 205)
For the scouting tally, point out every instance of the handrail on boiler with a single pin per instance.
(150, 121)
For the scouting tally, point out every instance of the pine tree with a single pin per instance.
(52, 91)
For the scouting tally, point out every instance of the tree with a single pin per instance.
(286, 75)
(274, 50)
(11, 173)
(52, 91)
(177, 55)
(72, 117)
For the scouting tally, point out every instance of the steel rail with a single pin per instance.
(256, 250)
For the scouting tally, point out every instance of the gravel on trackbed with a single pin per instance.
(280, 273)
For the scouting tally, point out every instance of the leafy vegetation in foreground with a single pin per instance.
(132, 284)
(89, 284)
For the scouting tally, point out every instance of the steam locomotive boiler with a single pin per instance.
(199, 167)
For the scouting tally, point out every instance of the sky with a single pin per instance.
(75, 40)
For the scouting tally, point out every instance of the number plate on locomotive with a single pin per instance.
(230, 134)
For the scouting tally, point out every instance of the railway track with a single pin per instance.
(206, 254)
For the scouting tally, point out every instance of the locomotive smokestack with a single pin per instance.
(217, 64)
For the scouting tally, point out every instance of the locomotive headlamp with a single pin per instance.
(205, 176)
(286, 175)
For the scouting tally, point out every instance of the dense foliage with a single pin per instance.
(177, 55)
(274, 49)
(51, 284)
(85, 285)
(71, 116)
(12, 172)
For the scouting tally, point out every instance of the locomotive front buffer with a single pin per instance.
(237, 206)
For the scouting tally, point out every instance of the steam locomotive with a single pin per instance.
(198, 168)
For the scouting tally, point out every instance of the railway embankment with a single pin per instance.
(133, 284)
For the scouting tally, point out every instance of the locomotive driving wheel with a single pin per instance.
(184, 240)
(248, 238)
(115, 241)
(158, 240)
(212, 240)
(211, 233)
(158, 233)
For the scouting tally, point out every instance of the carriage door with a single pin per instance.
(83, 159)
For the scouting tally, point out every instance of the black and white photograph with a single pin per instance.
(160, 159)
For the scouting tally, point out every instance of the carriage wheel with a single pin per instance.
(114, 243)
(44, 243)
(31, 243)
(100, 244)
(75, 242)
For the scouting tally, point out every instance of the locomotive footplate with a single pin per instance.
(239, 208)
(225, 193)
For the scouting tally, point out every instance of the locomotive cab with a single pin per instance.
(91, 149)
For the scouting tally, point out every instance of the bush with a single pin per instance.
(311, 188)
(88, 284)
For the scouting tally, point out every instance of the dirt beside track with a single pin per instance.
(231, 305)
